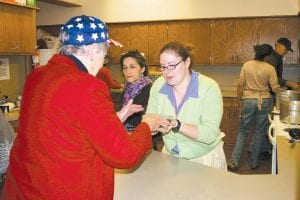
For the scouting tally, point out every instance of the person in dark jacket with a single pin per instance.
(282, 47)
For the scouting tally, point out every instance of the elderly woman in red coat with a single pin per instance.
(69, 137)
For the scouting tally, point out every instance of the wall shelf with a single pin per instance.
(65, 3)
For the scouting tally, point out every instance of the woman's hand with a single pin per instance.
(128, 110)
(157, 123)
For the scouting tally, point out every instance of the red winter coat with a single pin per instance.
(69, 138)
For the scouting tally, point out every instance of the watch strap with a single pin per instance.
(177, 127)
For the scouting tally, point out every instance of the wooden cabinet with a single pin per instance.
(201, 34)
(18, 29)
(118, 32)
(246, 36)
(230, 121)
(139, 37)
(132, 36)
(223, 42)
(233, 40)
(216, 41)
(273, 28)
(65, 3)
(179, 31)
(157, 37)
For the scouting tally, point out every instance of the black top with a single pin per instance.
(276, 60)
(140, 99)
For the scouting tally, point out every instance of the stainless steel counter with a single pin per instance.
(164, 177)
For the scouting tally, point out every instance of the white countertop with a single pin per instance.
(165, 177)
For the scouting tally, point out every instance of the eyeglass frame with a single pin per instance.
(169, 67)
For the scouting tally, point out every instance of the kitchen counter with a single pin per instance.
(288, 157)
(165, 177)
(228, 93)
(225, 93)
(13, 114)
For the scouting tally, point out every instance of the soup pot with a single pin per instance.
(290, 112)
(287, 95)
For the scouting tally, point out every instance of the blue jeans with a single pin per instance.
(250, 112)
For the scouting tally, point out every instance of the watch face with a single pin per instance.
(177, 127)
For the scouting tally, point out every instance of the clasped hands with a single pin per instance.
(156, 123)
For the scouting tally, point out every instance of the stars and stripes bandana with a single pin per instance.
(85, 30)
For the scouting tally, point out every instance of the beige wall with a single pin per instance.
(154, 10)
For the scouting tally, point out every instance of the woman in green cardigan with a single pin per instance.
(194, 105)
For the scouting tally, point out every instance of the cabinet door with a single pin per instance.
(230, 121)
(27, 33)
(138, 38)
(133, 36)
(18, 32)
(223, 42)
(158, 36)
(274, 28)
(4, 36)
(118, 32)
(201, 40)
(179, 31)
(247, 36)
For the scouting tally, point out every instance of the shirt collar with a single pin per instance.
(192, 91)
(79, 64)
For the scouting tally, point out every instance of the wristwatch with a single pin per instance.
(177, 127)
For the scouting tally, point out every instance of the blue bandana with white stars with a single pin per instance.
(85, 30)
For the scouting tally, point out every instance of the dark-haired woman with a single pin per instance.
(137, 85)
(253, 92)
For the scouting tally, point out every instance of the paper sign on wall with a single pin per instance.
(4, 69)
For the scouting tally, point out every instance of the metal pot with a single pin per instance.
(290, 112)
(288, 95)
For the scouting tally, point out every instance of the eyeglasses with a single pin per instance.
(170, 67)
